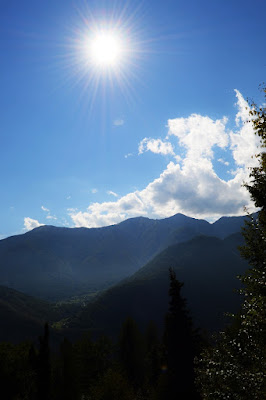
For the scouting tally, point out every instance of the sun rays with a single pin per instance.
(105, 53)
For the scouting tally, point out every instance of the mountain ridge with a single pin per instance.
(58, 262)
(208, 266)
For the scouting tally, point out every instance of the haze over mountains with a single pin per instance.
(208, 266)
(55, 263)
(133, 257)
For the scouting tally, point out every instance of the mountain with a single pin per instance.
(23, 317)
(208, 266)
(55, 263)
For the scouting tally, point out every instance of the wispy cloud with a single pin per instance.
(118, 122)
(51, 217)
(112, 193)
(128, 155)
(94, 190)
(190, 186)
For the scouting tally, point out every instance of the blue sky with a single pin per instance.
(164, 132)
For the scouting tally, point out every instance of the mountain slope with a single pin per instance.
(54, 263)
(22, 317)
(208, 266)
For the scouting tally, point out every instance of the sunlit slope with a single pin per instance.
(55, 263)
(208, 266)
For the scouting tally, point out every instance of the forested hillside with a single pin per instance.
(207, 266)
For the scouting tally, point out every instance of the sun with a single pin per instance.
(105, 52)
(105, 49)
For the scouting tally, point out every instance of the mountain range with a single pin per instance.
(207, 266)
(55, 263)
(124, 269)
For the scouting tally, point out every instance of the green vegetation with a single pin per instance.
(235, 368)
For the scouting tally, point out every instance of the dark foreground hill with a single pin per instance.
(56, 263)
(208, 266)
(22, 317)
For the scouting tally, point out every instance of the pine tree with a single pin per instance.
(153, 354)
(43, 367)
(131, 352)
(69, 384)
(236, 368)
(179, 344)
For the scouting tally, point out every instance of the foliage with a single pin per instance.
(16, 374)
(235, 368)
(43, 366)
(113, 385)
(179, 347)
(131, 352)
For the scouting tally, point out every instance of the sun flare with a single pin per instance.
(105, 49)
(106, 53)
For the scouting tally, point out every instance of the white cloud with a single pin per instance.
(111, 193)
(192, 186)
(30, 223)
(94, 190)
(119, 122)
(107, 213)
(155, 146)
(68, 197)
(244, 143)
(198, 134)
(222, 161)
(128, 155)
(49, 216)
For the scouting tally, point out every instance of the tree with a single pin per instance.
(179, 347)
(131, 352)
(69, 383)
(111, 386)
(235, 368)
(92, 361)
(43, 367)
(153, 354)
(16, 374)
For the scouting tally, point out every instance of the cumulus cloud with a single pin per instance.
(192, 186)
(111, 212)
(198, 134)
(244, 143)
(155, 146)
(30, 223)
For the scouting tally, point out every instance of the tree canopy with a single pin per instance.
(235, 368)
